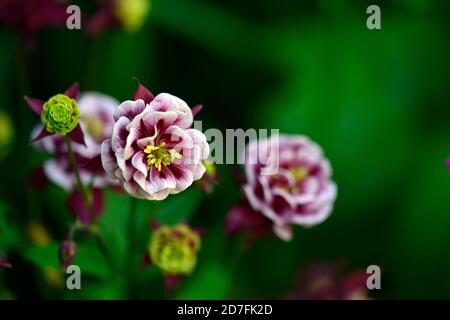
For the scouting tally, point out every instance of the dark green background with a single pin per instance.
(377, 101)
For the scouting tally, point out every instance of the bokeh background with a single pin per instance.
(376, 101)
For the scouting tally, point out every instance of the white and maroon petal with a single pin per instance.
(293, 200)
(129, 109)
(283, 231)
(258, 204)
(183, 177)
(198, 171)
(160, 180)
(138, 161)
(168, 102)
(120, 134)
(130, 148)
(263, 180)
(126, 168)
(108, 159)
(56, 171)
(155, 118)
(178, 138)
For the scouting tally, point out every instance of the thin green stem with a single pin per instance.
(79, 183)
(131, 242)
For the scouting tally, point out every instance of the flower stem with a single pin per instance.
(131, 241)
(79, 183)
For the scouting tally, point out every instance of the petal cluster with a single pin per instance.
(299, 192)
(153, 150)
(60, 114)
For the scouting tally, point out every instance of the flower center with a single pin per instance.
(95, 126)
(299, 174)
(160, 155)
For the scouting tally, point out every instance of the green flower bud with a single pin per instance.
(60, 114)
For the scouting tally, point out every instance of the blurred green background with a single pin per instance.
(377, 101)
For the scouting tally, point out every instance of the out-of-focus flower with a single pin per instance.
(299, 192)
(28, 16)
(132, 13)
(210, 178)
(448, 164)
(153, 151)
(59, 115)
(174, 249)
(128, 14)
(97, 122)
(67, 253)
(328, 281)
(6, 133)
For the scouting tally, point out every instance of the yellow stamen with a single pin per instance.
(160, 155)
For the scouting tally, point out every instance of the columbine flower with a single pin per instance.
(59, 115)
(328, 281)
(97, 122)
(299, 192)
(129, 14)
(174, 250)
(153, 152)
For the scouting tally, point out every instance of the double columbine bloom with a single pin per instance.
(300, 192)
(153, 151)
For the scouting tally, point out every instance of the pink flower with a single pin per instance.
(448, 164)
(299, 192)
(97, 122)
(153, 152)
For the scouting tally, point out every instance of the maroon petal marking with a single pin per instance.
(73, 91)
(77, 135)
(93, 165)
(77, 208)
(44, 133)
(36, 105)
(143, 93)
